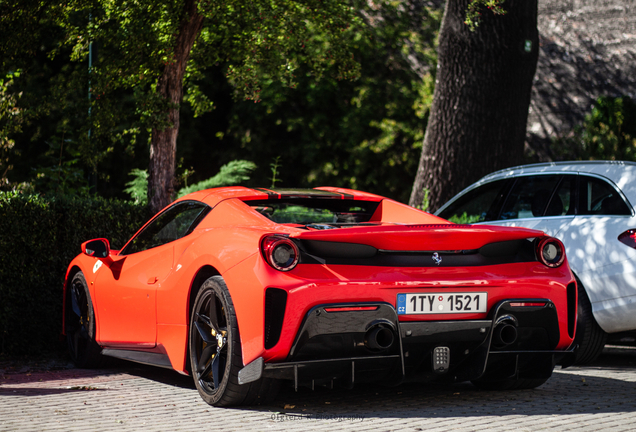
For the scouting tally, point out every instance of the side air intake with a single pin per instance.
(275, 302)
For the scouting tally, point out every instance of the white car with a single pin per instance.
(589, 206)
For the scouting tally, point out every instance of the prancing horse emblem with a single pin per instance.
(437, 258)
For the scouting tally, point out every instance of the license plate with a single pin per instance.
(442, 303)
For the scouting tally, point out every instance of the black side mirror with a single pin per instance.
(98, 248)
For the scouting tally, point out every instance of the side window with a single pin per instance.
(174, 223)
(478, 205)
(530, 197)
(597, 197)
(562, 202)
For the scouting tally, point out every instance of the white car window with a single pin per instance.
(478, 205)
(533, 196)
(597, 197)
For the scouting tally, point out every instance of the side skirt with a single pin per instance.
(143, 357)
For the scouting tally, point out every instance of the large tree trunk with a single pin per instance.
(163, 144)
(480, 105)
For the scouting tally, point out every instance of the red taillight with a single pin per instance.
(551, 252)
(628, 238)
(280, 252)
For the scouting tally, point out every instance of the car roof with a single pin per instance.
(622, 173)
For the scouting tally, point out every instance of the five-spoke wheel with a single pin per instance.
(215, 350)
(209, 337)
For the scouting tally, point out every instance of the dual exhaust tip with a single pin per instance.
(505, 332)
(381, 336)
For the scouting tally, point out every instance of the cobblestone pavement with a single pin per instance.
(129, 397)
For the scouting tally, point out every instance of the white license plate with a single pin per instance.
(442, 303)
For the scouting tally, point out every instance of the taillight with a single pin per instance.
(280, 252)
(551, 252)
(628, 238)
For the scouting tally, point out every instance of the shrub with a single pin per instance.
(608, 133)
(39, 237)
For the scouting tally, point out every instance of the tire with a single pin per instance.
(80, 325)
(589, 336)
(215, 351)
(509, 384)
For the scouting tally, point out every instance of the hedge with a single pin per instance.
(38, 239)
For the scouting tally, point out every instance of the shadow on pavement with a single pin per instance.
(574, 391)
(607, 386)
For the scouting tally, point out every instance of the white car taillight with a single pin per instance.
(280, 252)
(628, 238)
(551, 252)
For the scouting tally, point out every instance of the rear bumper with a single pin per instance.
(358, 342)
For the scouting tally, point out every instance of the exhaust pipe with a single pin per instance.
(505, 332)
(379, 337)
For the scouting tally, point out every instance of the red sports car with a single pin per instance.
(243, 288)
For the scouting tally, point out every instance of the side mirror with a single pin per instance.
(97, 248)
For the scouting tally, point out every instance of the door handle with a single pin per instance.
(152, 280)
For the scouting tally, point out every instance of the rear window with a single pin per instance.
(597, 197)
(305, 211)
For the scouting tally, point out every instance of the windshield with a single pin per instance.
(305, 211)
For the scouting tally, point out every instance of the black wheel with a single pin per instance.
(509, 384)
(80, 325)
(589, 336)
(215, 350)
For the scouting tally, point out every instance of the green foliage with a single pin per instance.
(54, 129)
(610, 130)
(464, 219)
(425, 201)
(39, 239)
(473, 12)
(274, 167)
(8, 112)
(362, 134)
(64, 179)
(259, 40)
(132, 43)
(608, 133)
(365, 134)
(138, 186)
(232, 173)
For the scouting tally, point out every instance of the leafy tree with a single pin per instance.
(363, 134)
(482, 93)
(58, 145)
(154, 47)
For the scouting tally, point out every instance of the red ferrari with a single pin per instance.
(244, 288)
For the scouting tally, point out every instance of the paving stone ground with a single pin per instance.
(130, 397)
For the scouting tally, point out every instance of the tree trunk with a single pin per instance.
(163, 144)
(480, 105)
